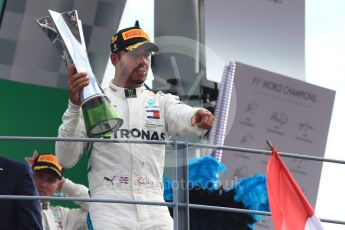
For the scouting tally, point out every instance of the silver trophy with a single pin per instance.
(66, 33)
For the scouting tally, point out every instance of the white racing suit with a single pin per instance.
(124, 171)
(58, 218)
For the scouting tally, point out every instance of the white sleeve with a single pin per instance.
(68, 153)
(76, 219)
(72, 218)
(71, 189)
(178, 117)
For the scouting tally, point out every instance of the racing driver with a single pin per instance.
(126, 171)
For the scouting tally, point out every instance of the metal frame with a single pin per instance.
(180, 204)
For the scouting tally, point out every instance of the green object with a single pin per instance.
(36, 111)
(100, 117)
(2, 9)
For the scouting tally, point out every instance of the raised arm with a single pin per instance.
(68, 153)
(74, 218)
(71, 189)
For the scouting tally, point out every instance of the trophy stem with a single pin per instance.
(100, 117)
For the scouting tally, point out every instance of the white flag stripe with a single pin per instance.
(313, 223)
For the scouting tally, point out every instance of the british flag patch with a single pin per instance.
(123, 180)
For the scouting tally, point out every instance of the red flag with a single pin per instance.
(290, 208)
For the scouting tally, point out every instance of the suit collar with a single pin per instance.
(126, 93)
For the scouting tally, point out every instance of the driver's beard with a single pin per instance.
(135, 81)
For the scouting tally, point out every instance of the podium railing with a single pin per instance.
(180, 204)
